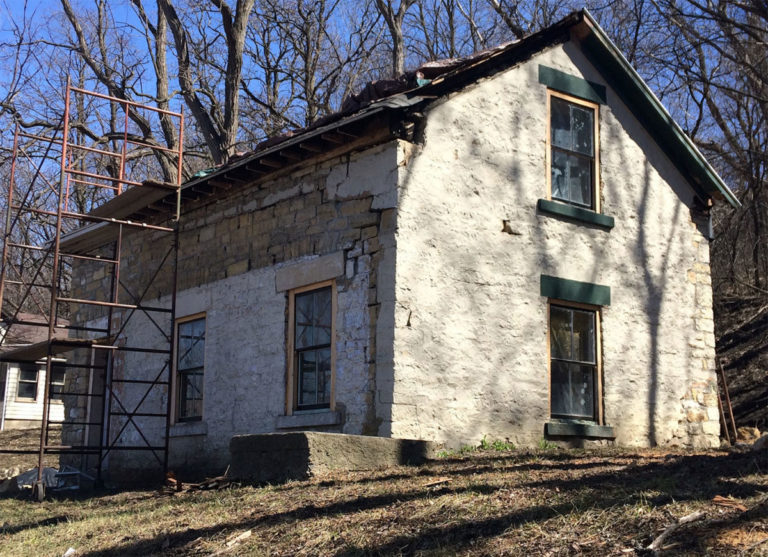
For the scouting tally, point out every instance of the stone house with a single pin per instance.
(514, 245)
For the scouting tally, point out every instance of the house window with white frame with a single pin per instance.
(28, 376)
(573, 151)
(312, 345)
(190, 353)
(574, 369)
(58, 371)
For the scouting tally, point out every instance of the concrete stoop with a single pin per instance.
(278, 457)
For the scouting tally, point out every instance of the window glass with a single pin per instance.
(190, 369)
(27, 381)
(560, 324)
(312, 346)
(573, 362)
(582, 128)
(561, 123)
(584, 336)
(573, 151)
(57, 381)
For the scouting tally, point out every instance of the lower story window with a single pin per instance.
(28, 374)
(313, 347)
(573, 362)
(190, 369)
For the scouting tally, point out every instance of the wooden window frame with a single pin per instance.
(596, 201)
(599, 418)
(291, 386)
(19, 381)
(176, 387)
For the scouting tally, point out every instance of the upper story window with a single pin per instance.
(190, 369)
(573, 151)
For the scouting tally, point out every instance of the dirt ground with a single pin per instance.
(480, 502)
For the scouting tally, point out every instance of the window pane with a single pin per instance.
(191, 356)
(560, 337)
(324, 375)
(57, 382)
(313, 318)
(560, 187)
(314, 377)
(307, 378)
(191, 395)
(582, 129)
(573, 390)
(584, 336)
(304, 319)
(322, 316)
(560, 123)
(28, 374)
(191, 344)
(582, 391)
(579, 178)
(27, 390)
(561, 389)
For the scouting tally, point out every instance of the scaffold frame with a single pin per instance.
(49, 277)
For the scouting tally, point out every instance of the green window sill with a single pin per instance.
(572, 212)
(577, 429)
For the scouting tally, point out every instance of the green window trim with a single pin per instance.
(575, 213)
(575, 291)
(572, 85)
(578, 429)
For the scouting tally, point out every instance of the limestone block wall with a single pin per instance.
(470, 347)
(231, 250)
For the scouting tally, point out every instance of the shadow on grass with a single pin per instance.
(16, 528)
(680, 479)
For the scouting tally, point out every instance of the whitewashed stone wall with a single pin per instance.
(470, 349)
(234, 254)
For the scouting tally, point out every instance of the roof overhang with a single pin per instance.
(646, 106)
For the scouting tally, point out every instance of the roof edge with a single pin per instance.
(694, 161)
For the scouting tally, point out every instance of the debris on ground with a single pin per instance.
(747, 434)
(657, 544)
(729, 502)
(174, 485)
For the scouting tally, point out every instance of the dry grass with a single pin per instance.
(550, 502)
(27, 439)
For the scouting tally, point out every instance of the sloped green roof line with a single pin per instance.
(648, 108)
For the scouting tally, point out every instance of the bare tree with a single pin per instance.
(394, 17)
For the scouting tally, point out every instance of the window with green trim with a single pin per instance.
(573, 151)
(573, 362)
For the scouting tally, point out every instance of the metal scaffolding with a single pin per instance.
(82, 221)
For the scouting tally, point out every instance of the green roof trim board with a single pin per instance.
(575, 291)
(636, 94)
(572, 85)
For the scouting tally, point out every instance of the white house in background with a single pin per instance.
(22, 385)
